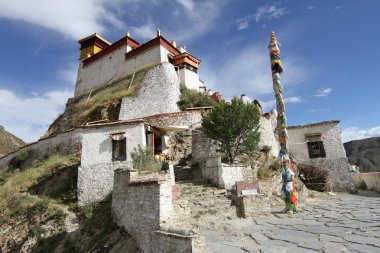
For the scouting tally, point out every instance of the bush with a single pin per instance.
(19, 159)
(35, 231)
(235, 126)
(314, 177)
(143, 160)
(58, 216)
(41, 206)
(276, 165)
(262, 173)
(192, 98)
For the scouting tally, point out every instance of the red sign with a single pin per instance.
(247, 187)
(176, 192)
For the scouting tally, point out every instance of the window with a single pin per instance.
(316, 149)
(119, 150)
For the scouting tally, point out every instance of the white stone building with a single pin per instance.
(108, 146)
(321, 144)
(102, 62)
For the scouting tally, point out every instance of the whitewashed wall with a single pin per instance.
(159, 93)
(335, 162)
(112, 67)
(190, 79)
(267, 137)
(332, 140)
(101, 71)
(95, 175)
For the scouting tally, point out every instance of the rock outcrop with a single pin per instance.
(9, 142)
(364, 153)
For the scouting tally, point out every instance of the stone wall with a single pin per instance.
(158, 94)
(202, 147)
(95, 175)
(339, 178)
(143, 205)
(225, 175)
(253, 206)
(370, 181)
(170, 243)
(335, 161)
(65, 143)
(191, 118)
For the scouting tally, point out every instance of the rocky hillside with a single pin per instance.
(38, 210)
(9, 142)
(364, 153)
(99, 104)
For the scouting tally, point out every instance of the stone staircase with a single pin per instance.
(204, 199)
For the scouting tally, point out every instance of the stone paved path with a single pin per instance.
(342, 223)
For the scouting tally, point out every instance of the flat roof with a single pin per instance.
(95, 35)
(315, 124)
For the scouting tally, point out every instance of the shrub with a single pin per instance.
(262, 173)
(235, 126)
(314, 177)
(41, 206)
(266, 149)
(58, 216)
(19, 159)
(192, 98)
(35, 231)
(276, 165)
(143, 160)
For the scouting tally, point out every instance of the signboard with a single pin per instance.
(244, 188)
(249, 192)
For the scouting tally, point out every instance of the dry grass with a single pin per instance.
(14, 199)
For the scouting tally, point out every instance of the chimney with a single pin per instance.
(158, 32)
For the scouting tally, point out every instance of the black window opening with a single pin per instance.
(316, 149)
(119, 150)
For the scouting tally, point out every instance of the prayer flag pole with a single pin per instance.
(288, 176)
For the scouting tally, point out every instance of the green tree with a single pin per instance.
(235, 126)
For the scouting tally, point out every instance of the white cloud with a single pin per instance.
(146, 31)
(355, 133)
(188, 4)
(323, 92)
(69, 74)
(271, 104)
(197, 17)
(242, 23)
(266, 12)
(247, 70)
(29, 117)
(74, 18)
(269, 12)
(310, 7)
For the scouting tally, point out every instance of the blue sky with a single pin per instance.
(329, 51)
